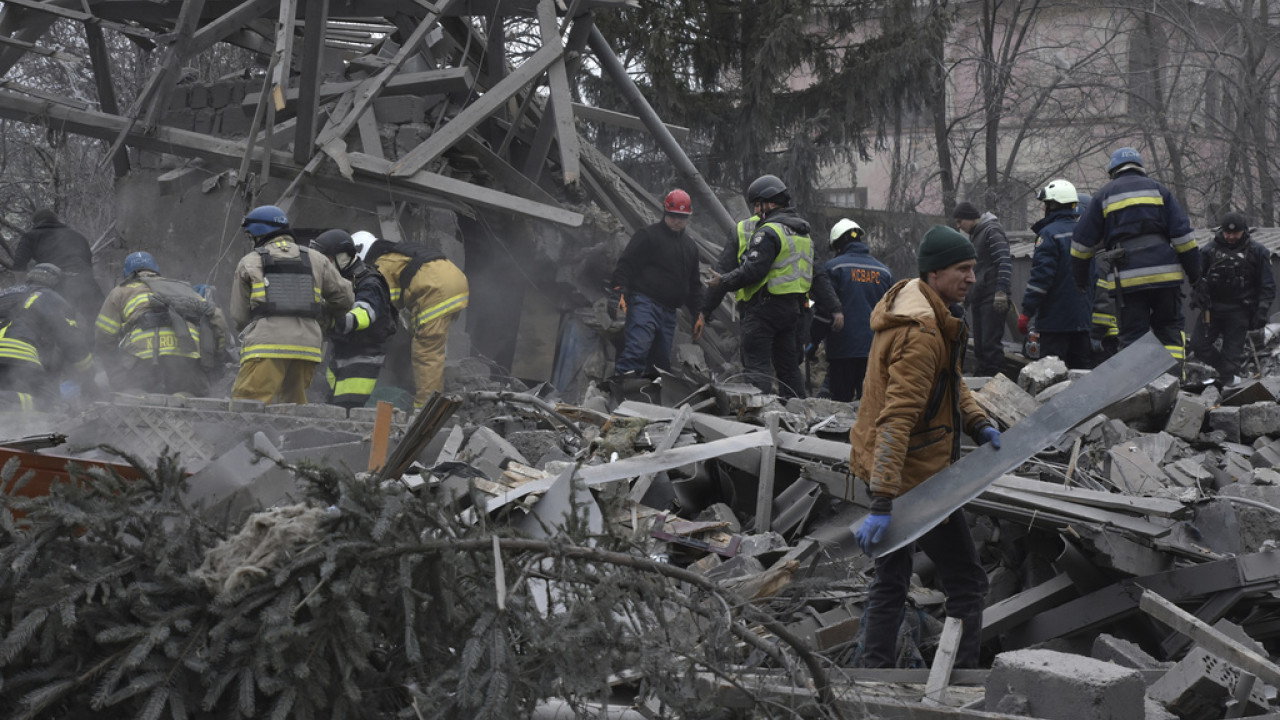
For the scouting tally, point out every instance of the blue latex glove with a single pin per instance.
(871, 532)
(69, 389)
(990, 435)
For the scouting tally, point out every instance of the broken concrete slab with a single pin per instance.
(1226, 420)
(1200, 685)
(1187, 417)
(1005, 401)
(1109, 648)
(1259, 419)
(1036, 376)
(1062, 686)
(1133, 472)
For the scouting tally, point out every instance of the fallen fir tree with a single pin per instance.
(362, 601)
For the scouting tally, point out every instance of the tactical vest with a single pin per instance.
(792, 270)
(290, 287)
(1229, 275)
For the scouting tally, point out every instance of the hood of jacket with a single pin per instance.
(789, 217)
(913, 302)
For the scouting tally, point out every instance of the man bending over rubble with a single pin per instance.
(914, 403)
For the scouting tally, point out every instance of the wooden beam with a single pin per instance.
(171, 67)
(1210, 638)
(371, 88)
(217, 30)
(42, 51)
(63, 10)
(631, 122)
(475, 113)
(560, 104)
(427, 82)
(371, 143)
(100, 60)
(536, 160)
(304, 138)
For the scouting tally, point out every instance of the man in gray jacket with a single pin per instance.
(988, 300)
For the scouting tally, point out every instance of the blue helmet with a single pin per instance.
(139, 261)
(1126, 158)
(265, 220)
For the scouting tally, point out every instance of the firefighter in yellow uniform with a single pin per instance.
(282, 294)
(158, 334)
(430, 291)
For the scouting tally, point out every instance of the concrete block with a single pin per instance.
(127, 399)
(1135, 407)
(1199, 686)
(246, 405)
(1190, 472)
(1052, 391)
(180, 118)
(220, 94)
(1005, 401)
(1164, 391)
(198, 97)
(1266, 453)
(232, 122)
(203, 121)
(409, 136)
(1264, 476)
(363, 414)
(1236, 467)
(197, 403)
(1134, 472)
(1187, 417)
(1112, 649)
(1259, 419)
(178, 100)
(1227, 421)
(1211, 395)
(156, 399)
(1247, 392)
(1156, 446)
(400, 109)
(1062, 686)
(1041, 374)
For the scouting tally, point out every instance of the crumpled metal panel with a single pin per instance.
(922, 508)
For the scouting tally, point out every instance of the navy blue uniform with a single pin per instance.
(1062, 313)
(860, 281)
(358, 356)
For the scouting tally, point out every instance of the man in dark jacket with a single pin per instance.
(359, 338)
(42, 348)
(1141, 227)
(775, 275)
(1234, 295)
(50, 241)
(988, 301)
(657, 274)
(1062, 313)
(860, 281)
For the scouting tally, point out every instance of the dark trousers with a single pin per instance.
(1073, 348)
(950, 547)
(769, 344)
(1230, 325)
(352, 379)
(1156, 309)
(846, 376)
(172, 375)
(647, 337)
(988, 337)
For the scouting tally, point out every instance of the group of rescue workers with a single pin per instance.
(1105, 271)
(157, 334)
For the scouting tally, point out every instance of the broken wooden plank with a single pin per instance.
(233, 20)
(935, 689)
(653, 462)
(1159, 507)
(1209, 638)
(426, 82)
(631, 122)
(668, 441)
(560, 104)
(764, 485)
(317, 17)
(1015, 610)
(1135, 525)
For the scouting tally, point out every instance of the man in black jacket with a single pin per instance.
(657, 274)
(988, 301)
(775, 275)
(1234, 295)
(50, 241)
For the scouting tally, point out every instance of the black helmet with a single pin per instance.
(45, 275)
(767, 188)
(331, 243)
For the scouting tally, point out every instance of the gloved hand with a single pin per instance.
(837, 322)
(698, 326)
(1024, 323)
(991, 435)
(345, 324)
(872, 531)
(1095, 345)
(1001, 301)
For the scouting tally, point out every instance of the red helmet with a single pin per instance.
(678, 203)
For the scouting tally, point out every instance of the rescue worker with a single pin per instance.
(773, 276)
(431, 291)
(860, 281)
(359, 338)
(914, 406)
(657, 274)
(1062, 314)
(988, 302)
(1136, 223)
(43, 351)
(51, 241)
(159, 335)
(281, 294)
(1233, 297)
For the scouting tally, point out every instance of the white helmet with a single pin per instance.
(843, 227)
(1059, 191)
(363, 240)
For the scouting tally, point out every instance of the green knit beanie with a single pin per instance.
(943, 247)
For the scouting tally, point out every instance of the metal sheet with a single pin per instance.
(920, 510)
(655, 462)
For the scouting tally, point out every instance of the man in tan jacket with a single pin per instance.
(282, 294)
(914, 406)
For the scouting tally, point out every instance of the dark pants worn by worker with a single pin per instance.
(1230, 324)
(24, 387)
(647, 337)
(950, 547)
(173, 375)
(846, 376)
(769, 344)
(988, 338)
(1158, 310)
(1073, 348)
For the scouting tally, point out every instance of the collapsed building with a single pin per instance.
(1129, 541)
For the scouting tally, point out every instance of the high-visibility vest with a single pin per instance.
(792, 270)
(746, 229)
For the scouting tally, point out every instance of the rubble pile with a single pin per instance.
(1132, 563)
